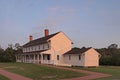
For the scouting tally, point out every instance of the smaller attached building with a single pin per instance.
(86, 57)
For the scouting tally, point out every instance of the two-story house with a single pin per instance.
(47, 50)
(56, 49)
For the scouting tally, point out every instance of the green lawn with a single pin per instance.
(3, 78)
(112, 70)
(38, 72)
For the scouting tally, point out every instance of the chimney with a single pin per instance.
(30, 37)
(46, 32)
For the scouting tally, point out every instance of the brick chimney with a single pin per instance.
(30, 37)
(46, 32)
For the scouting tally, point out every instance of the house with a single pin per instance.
(56, 49)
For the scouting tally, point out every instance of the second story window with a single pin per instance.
(32, 48)
(43, 46)
(28, 49)
(39, 47)
(35, 48)
(48, 46)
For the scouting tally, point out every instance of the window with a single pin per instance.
(31, 48)
(43, 57)
(48, 57)
(43, 46)
(48, 46)
(69, 57)
(79, 57)
(25, 49)
(35, 48)
(39, 47)
(35, 56)
(57, 57)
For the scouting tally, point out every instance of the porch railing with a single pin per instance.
(47, 61)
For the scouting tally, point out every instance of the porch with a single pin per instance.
(35, 58)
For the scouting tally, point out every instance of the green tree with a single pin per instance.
(8, 55)
(114, 46)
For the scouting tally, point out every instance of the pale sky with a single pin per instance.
(90, 23)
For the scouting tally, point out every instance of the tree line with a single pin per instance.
(8, 54)
(109, 55)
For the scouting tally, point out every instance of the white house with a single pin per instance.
(56, 49)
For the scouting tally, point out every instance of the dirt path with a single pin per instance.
(12, 76)
(93, 75)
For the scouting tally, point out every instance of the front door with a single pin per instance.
(48, 56)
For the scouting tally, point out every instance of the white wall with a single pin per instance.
(74, 59)
(91, 58)
(61, 44)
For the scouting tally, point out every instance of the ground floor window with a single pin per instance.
(79, 57)
(48, 57)
(69, 57)
(57, 57)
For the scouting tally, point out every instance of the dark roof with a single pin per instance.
(77, 50)
(39, 40)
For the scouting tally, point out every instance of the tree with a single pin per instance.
(1, 54)
(110, 55)
(113, 46)
(17, 46)
(8, 55)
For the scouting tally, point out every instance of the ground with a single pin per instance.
(38, 72)
(43, 72)
(114, 71)
(3, 78)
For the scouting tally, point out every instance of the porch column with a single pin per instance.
(38, 58)
(41, 58)
(34, 58)
(16, 58)
(22, 57)
(29, 58)
(25, 58)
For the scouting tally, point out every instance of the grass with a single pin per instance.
(3, 78)
(37, 72)
(112, 70)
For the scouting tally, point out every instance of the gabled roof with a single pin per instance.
(77, 50)
(39, 40)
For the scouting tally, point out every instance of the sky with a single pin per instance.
(89, 23)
